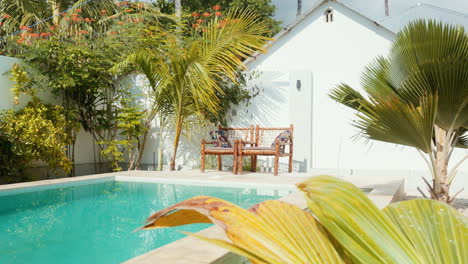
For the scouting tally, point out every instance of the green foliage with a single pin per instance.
(12, 165)
(21, 83)
(197, 8)
(38, 132)
(417, 97)
(113, 152)
(72, 57)
(231, 94)
(129, 128)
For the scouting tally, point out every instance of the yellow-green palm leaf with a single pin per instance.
(344, 226)
(435, 229)
(271, 232)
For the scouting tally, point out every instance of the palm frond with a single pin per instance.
(347, 96)
(432, 58)
(397, 122)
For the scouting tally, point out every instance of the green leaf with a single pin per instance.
(436, 230)
(356, 223)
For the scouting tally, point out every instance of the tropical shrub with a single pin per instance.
(418, 97)
(38, 132)
(130, 128)
(343, 226)
(12, 165)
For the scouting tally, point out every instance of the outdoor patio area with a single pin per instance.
(233, 132)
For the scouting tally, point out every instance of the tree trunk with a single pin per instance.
(56, 11)
(440, 184)
(176, 139)
(160, 159)
(141, 149)
(161, 144)
(178, 8)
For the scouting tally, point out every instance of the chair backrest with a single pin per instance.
(244, 133)
(265, 136)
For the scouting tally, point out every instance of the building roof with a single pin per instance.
(302, 18)
(425, 11)
(392, 23)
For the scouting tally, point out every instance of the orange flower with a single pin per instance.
(195, 25)
(217, 7)
(103, 11)
(74, 15)
(200, 21)
(120, 23)
(51, 28)
(63, 14)
(66, 19)
(195, 14)
(84, 32)
(217, 13)
(206, 14)
(1, 24)
(78, 10)
(205, 30)
(6, 16)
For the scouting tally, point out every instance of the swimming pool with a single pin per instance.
(92, 222)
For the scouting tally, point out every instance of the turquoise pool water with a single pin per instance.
(94, 223)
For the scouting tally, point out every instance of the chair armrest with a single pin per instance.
(245, 142)
(285, 143)
(204, 142)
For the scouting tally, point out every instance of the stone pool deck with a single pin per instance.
(194, 251)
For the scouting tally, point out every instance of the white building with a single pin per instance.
(329, 44)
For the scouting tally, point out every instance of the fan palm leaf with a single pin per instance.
(343, 226)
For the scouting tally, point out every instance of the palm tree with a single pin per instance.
(418, 97)
(185, 76)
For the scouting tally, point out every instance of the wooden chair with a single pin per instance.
(232, 135)
(267, 143)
